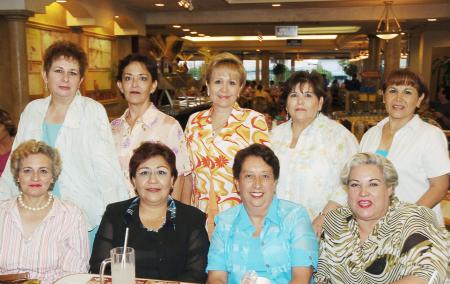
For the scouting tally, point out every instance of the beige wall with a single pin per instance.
(421, 52)
(6, 101)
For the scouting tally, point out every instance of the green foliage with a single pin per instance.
(279, 69)
(196, 72)
(349, 68)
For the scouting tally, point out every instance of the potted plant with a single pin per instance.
(279, 70)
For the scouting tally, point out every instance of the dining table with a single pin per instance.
(85, 278)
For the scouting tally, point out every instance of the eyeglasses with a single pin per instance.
(252, 178)
(146, 173)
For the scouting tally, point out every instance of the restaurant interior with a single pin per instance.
(373, 36)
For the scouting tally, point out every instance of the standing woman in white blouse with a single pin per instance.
(417, 149)
(79, 128)
(312, 149)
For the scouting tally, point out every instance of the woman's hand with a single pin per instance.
(317, 224)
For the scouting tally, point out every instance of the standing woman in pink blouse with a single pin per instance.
(143, 122)
(39, 233)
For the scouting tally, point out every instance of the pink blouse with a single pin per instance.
(57, 247)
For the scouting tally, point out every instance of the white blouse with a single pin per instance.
(418, 151)
(91, 176)
(309, 173)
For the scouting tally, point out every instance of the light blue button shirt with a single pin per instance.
(287, 240)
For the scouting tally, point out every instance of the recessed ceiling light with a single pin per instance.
(116, 17)
(402, 33)
(160, 4)
(176, 26)
(61, 1)
(186, 30)
(258, 50)
(193, 32)
(336, 48)
(276, 5)
(432, 20)
(201, 34)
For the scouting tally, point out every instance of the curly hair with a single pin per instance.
(65, 49)
(32, 147)
(389, 172)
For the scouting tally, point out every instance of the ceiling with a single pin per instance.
(252, 17)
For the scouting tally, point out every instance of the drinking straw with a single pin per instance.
(125, 247)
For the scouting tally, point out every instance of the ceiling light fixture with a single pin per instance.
(193, 33)
(388, 28)
(432, 20)
(276, 5)
(186, 30)
(176, 26)
(187, 4)
(61, 1)
(160, 4)
(255, 38)
(116, 17)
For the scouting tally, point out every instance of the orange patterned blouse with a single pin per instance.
(212, 156)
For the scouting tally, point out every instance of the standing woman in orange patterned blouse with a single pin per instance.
(215, 135)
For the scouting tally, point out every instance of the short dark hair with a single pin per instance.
(6, 120)
(65, 49)
(256, 150)
(149, 150)
(149, 63)
(301, 77)
(406, 77)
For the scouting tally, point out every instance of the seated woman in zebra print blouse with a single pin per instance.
(376, 238)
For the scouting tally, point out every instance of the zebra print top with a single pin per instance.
(407, 241)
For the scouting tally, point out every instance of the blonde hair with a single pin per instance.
(389, 172)
(226, 59)
(31, 147)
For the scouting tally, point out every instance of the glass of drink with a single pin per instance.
(122, 266)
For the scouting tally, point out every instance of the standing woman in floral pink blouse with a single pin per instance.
(143, 122)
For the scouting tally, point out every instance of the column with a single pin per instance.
(265, 56)
(373, 62)
(391, 55)
(18, 58)
(258, 68)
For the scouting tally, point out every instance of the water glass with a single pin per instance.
(122, 266)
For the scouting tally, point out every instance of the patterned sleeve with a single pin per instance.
(304, 247)
(323, 272)
(178, 146)
(425, 249)
(346, 147)
(216, 254)
(259, 132)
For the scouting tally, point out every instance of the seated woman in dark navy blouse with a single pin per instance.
(169, 238)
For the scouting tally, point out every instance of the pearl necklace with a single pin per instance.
(50, 199)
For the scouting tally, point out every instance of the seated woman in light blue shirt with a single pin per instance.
(264, 234)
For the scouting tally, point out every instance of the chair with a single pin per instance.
(14, 278)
